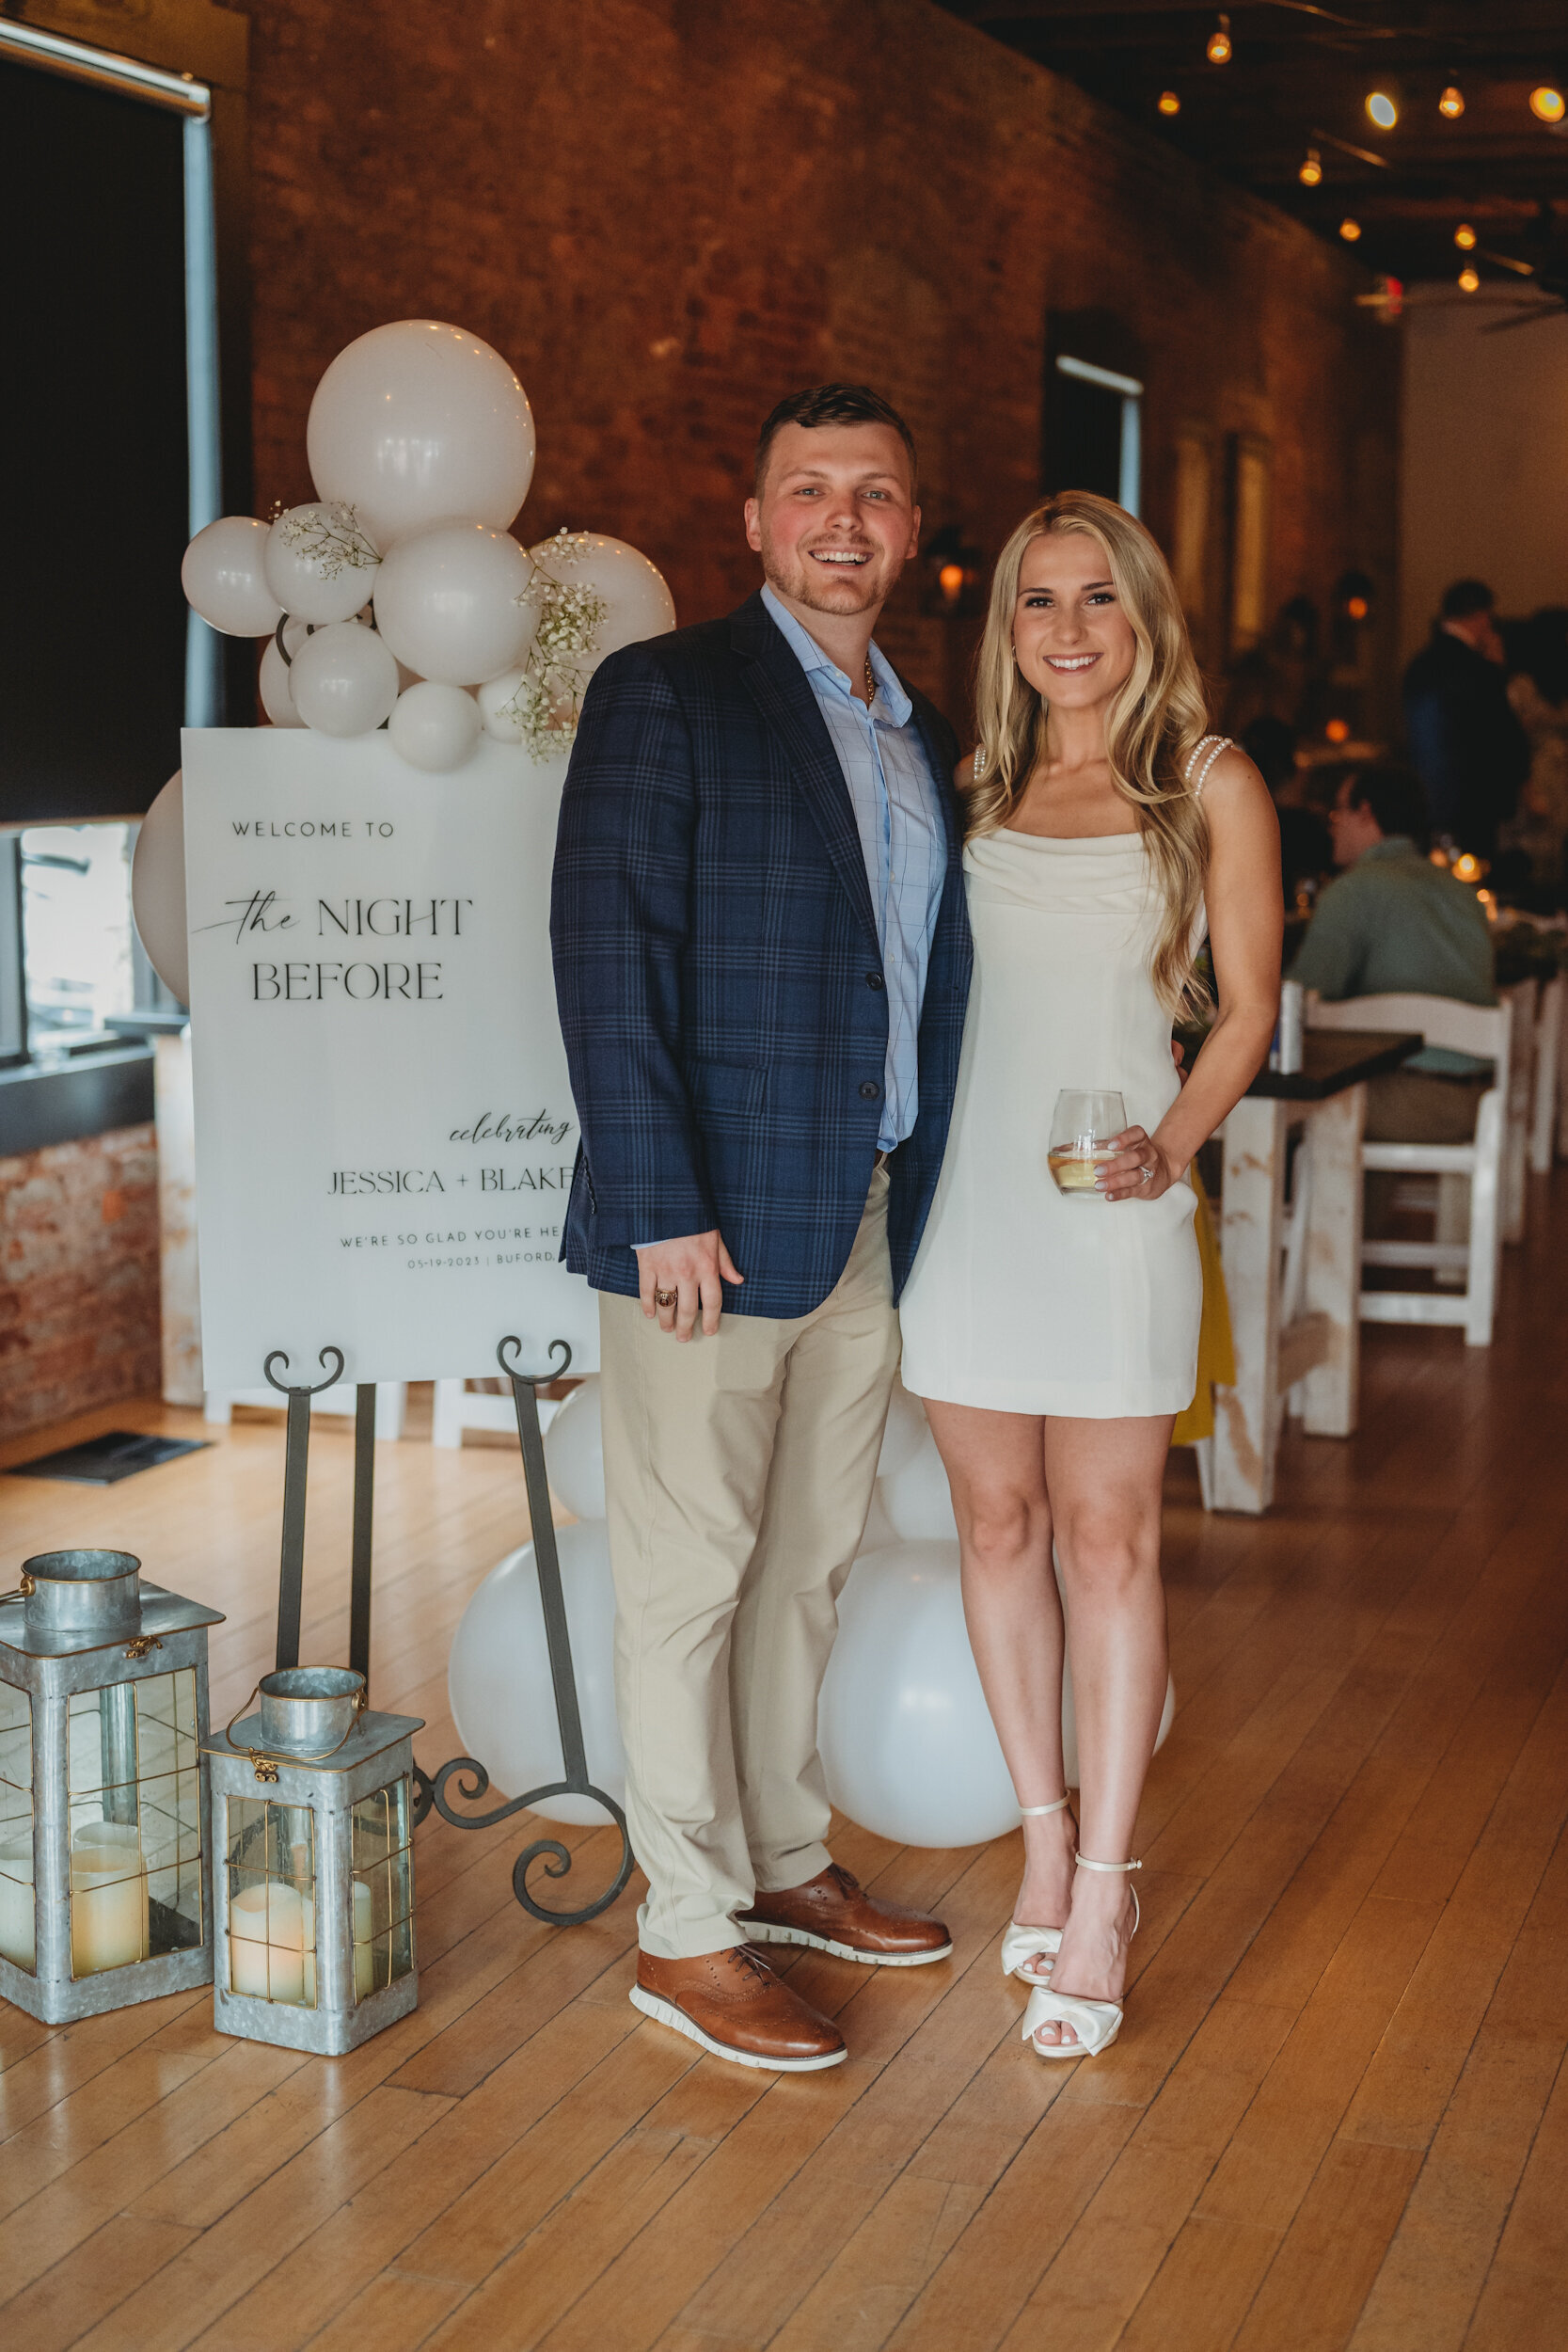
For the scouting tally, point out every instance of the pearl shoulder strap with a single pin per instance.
(1208, 750)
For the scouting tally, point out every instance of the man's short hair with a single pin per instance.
(1465, 599)
(1394, 797)
(832, 403)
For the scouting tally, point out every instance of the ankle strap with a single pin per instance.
(1031, 1811)
(1085, 1864)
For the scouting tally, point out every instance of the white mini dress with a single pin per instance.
(1020, 1300)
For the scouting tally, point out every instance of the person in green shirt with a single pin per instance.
(1392, 923)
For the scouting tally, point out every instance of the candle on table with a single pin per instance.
(108, 1897)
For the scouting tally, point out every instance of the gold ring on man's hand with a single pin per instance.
(664, 1299)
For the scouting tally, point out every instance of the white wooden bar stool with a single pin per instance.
(1470, 1245)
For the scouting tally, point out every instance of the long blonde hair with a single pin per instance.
(1151, 729)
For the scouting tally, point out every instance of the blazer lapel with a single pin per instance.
(783, 693)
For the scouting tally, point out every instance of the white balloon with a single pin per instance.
(498, 1677)
(638, 604)
(917, 1498)
(906, 1737)
(435, 726)
(573, 1451)
(908, 1744)
(320, 565)
(224, 577)
(277, 696)
(492, 698)
(344, 680)
(906, 1428)
(158, 888)
(418, 421)
(447, 602)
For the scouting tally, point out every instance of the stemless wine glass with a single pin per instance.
(1082, 1127)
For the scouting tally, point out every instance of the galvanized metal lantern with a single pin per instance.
(314, 1821)
(104, 1830)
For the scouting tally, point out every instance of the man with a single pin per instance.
(1465, 743)
(1394, 923)
(762, 961)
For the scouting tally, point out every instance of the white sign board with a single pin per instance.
(384, 1130)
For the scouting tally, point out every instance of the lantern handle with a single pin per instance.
(264, 1762)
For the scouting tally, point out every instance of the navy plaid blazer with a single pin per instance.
(719, 975)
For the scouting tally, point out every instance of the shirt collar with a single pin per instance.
(894, 707)
(1392, 845)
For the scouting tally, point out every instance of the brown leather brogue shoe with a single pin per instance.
(834, 1913)
(735, 2006)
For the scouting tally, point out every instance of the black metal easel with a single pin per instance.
(430, 1789)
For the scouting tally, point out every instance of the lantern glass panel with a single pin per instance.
(383, 1890)
(134, 1766)
(17, 1939)
(271, 1855)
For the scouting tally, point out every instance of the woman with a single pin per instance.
(1054, 1340)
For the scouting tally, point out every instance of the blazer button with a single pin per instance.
(869, 1090)
(875, 979)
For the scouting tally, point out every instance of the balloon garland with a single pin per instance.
(398, 598)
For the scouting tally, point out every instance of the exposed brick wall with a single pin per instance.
(78, 1277)
(666, 213)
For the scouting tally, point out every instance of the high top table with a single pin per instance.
(1320, 1346)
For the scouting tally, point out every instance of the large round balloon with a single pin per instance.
(917, 1495)
(435, 726)
(320, 565)
(636, 603)
(417, 422)
(906, 1737)
(446, 601)
(498, 1677)
(158, 889)
(573, 1451)
(224, 577)
(344, 680)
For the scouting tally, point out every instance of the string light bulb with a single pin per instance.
(1382, 109)
(1452, 104)
(1169, 102)
(1546, 103)
(1218, 51)
(1338, 731)
(1311, 171)
(1465, 237)
(1349, 229)
(1469, 278)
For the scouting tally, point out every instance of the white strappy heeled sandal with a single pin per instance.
(1097, 2023)
(1021, 1944)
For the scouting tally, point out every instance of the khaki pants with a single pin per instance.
(738, 1473)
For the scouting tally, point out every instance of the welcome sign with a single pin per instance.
(384, 1129)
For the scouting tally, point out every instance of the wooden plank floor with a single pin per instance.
(1338, 2115)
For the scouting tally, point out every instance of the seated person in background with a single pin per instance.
(1392, 923)
(1305, 850)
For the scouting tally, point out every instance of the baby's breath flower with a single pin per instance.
(330, 537)
(547, 706)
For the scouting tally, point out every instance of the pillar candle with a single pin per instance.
(364, 1945)
(16, 1904)
(108, 1897)
(271, 1942)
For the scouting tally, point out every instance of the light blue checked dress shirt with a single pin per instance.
(898, 815)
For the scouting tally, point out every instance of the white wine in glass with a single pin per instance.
(1082, 1127)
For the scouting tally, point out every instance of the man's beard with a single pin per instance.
(805, 584)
